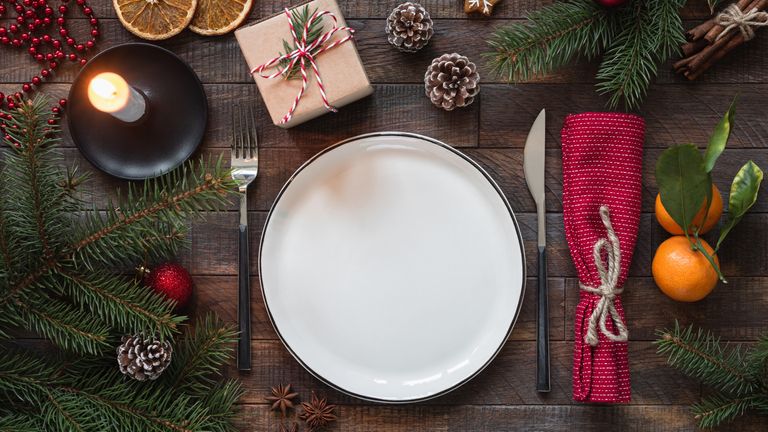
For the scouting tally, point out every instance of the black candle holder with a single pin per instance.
(168, 133)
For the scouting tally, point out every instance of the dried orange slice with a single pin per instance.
(217, 17)
(155, 19)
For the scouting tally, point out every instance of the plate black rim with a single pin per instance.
(498, 190)
(192, 73)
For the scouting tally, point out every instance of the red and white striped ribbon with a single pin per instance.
(305, 53)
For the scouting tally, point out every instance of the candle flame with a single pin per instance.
(104, 88)
(109, 92)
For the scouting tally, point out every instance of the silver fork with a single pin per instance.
(245, 168)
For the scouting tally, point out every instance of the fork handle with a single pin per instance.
(244, 302)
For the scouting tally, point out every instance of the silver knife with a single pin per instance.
(533, 164)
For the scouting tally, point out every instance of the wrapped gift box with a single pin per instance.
(340, 68)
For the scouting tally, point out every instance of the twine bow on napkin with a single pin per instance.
(305, 52)
(732, 17)
(608, 289)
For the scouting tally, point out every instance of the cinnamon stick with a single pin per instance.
(681, 66)
(716, 29)
(701, 52)
(692, 48)
(700, 30)
(709, 51)
(693, 71)
(728, 47)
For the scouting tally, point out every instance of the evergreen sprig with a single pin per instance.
(58, 258)
(551, 38)
(633, 40)
(739, 375)
(299, 19)
(89, 394)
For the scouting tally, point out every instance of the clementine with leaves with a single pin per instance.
(685, 267)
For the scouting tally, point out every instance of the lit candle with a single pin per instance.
(108, 92)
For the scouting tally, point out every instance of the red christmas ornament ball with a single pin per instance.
(610, 3)
(171, 280)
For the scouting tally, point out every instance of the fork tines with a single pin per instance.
(244, 135)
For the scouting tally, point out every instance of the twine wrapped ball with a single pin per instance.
(452, 81)
(409, 27)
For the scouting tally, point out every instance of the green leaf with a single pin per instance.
(743, 196)
(719, 138)
(683, 182)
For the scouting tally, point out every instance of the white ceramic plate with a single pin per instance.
(392, 267)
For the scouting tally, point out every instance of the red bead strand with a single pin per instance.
(42, 30)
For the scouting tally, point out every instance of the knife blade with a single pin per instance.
(534, 167)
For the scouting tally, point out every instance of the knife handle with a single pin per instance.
(542, 327)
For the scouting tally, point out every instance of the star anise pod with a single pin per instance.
(294, 427)
(282, 398)
(318, 413)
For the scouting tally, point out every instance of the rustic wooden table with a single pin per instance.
(492, 131)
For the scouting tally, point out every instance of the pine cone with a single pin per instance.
(452, 81)
(409, 27)
(143, 359)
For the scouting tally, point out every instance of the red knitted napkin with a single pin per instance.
(602, 163)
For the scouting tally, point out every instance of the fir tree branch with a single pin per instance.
(138, 414)
(214, 188)
(18, 422)
(201, 354)
(122, 303)
(221, 400)
(701, 356)
(35, 210)
(168, 200)
(299, 19)
(98, 400)
(63, 418)
(652, 30)
(552, 37)
(670, 33)
(68, 328)
(5, 251)
(37, 205)
(717, 409)
(61, 296)
(630, 62)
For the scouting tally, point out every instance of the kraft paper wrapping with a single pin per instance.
(340, 68)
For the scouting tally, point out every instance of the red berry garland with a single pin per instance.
(34, 22)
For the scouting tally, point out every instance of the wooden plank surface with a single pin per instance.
(492, 131)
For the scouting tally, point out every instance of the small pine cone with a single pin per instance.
(409, 27)
(143, 358)
(452, 81)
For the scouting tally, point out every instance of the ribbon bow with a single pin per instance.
(305, 53)
(609, 277)
(732, 17)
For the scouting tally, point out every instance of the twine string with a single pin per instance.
(608, 289)
(733, 18)
(305, 53)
